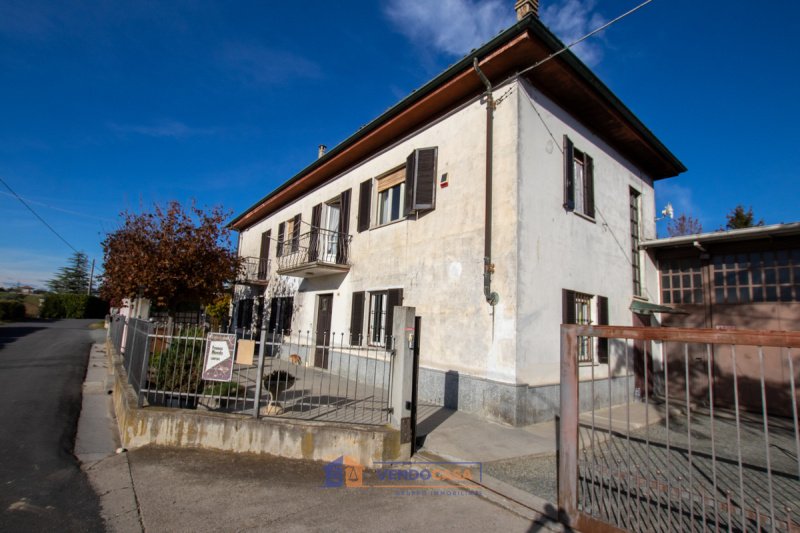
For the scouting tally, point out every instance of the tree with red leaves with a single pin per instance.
(169, 256)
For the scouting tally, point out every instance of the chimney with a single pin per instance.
(321, 150)
(525, 7)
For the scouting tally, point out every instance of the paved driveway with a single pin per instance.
(42, 366)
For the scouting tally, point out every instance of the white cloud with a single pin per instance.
(457, 26)
(451, 26)
(572, 19)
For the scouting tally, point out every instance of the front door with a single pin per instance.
(324, 314)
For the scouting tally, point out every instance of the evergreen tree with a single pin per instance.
(739, 218)
(73, 278)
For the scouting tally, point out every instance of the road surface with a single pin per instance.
(42, 366)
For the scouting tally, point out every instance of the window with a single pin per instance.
(289, 236)
(244, 313)
(280, 315)
(635, 238)
(404, 190)
(578, 180)
(391, 195)
(681, 281)
(580, 308)
(379, 319)
(330, 225)
(766, 276)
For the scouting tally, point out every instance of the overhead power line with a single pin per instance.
(43, 221)
(578, 41)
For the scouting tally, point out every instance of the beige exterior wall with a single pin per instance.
(538, 248)
(559, 249)
(437, 259)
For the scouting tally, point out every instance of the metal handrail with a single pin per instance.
(316, 246)
(254, 269)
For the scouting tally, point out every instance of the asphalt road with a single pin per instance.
(42, 367)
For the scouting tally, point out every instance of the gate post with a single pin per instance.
(568, 429)
(400, 393)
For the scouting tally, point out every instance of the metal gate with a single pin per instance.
(680, 430)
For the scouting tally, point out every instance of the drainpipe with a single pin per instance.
(492, 298)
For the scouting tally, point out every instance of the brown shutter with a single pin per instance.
(569, 174)
(342, 242)
(589, 193)
(281, 237)
(394, 297)
(313, 244)
(296, 233)
(602, 319)
(421, 176)
(264, 255)
(567, 306)
(364, 199)
(357, 319)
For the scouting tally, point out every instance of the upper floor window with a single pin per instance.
(636, 265)
(578, 180)
(398, 193)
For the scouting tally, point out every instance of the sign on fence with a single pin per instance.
(218, 363)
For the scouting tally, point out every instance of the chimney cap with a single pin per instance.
(321, 150)
(526, 7)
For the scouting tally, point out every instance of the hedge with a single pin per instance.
(12, 310)
(73, 306)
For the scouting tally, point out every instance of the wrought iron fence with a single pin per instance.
(254, 270)
(302, 374)
(683, 430)
(317, 246)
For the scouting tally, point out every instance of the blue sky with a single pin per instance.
(107, 106)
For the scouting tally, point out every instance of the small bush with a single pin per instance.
(73, 306)
(178, 367)
(12, 310)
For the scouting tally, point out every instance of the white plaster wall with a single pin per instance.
(561, 250)
(436, 259)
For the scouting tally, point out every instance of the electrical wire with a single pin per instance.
(578, 41)
(43, 221)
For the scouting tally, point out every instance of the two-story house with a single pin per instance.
(506, 196)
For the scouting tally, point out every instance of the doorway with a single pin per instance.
(324, 315)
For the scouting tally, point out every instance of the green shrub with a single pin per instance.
(73, 306)
(12, 310)
(178, 366)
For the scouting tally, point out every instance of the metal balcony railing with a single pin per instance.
(255, 270)
(317, 252)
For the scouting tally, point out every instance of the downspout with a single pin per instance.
(492, 298)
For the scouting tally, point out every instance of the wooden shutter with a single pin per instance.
(588, 164)
(357, 318)
(393, 297)
(296, 233)
(421, 180)
(313, 244)
(287, 308)
(264, 255)
(569, 174)
(568, 307)
(364, 200)
(281, 237)
(342, 243)
(602, 319)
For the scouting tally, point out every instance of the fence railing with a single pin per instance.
(303, 374)
(254, 270)
(317, 246)
(682, 430)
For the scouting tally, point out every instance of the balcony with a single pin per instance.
(318, 253)
(255, 271)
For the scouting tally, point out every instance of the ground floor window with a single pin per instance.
(280, 315)
(586, 309)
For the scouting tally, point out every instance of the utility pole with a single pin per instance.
(91, 278)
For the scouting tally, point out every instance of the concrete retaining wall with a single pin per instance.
(291, 438)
